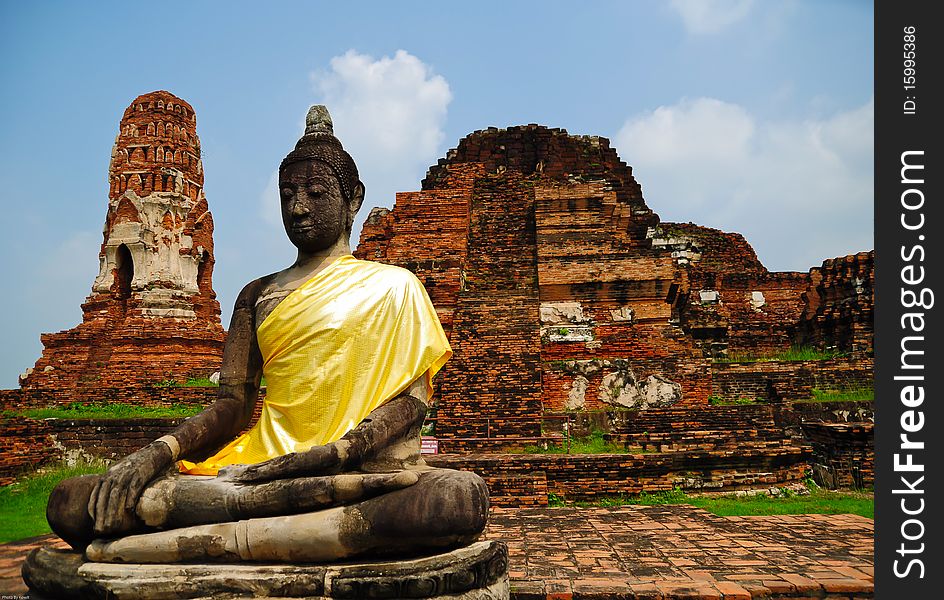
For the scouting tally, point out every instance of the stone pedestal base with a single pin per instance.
(478, 571)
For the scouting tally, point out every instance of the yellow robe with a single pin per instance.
(349, 339)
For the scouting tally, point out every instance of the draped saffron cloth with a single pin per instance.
(349, 339)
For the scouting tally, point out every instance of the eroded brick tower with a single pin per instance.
(561, 290)
(535, 248)
(152, 315)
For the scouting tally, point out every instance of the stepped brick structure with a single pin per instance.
(152, 314)
(837, 308)
(561, 290)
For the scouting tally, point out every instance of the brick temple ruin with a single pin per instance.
(562, 290)
(152, 315)
(565, 298)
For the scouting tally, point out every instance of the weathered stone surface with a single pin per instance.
(478, 571)
(152, 315)
(54, 574)
(659, 392)
(621, 388)
(576, 398)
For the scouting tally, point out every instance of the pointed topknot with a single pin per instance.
(318, 120)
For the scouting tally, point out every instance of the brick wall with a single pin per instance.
(149, 396)
(724, 297)
(110, 439)
(585, 477)
(24, 444)
(711, 448)
(843, 454)
(427, 233)
(734, 418)
(793, 414)
(838, 311)
(496, 370)
(741, 312)
(517, 489)
(789, 380)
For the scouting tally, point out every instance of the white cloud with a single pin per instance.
(710, 16)
(389, 114)
(800, 191)
(703, 129)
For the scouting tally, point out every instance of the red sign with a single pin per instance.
(429, 445)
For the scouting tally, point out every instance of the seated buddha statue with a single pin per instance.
(332, 468)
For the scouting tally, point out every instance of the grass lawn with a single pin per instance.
(23, 504)
(102, 410)
(819, 501)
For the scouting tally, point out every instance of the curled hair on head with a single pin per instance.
(318, 143)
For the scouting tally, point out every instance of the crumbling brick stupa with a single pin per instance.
(561, 289)
(152, 315)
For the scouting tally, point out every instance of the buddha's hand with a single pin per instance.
(113, 499)
(318, 460)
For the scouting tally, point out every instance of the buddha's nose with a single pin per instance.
(301, 207)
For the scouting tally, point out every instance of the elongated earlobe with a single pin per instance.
(357, 199)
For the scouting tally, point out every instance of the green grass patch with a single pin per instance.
(719, 401)
(192, 382)
(23, 504)
(200, 382)
(591, 444)
(842, 395)
(795, 354)
(107, 410)
(819, 502)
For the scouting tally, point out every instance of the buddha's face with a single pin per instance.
(314, 211)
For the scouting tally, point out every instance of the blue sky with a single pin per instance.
(750, 116)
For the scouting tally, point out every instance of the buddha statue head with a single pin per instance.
(319, 188)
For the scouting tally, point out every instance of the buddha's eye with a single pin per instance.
(287, 192)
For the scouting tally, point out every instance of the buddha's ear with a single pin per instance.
(357, 198)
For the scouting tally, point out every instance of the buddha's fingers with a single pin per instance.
(351, 487)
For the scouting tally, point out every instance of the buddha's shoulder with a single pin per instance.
(381, 271)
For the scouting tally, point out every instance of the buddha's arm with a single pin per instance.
(240, 376)
(386, 425)
(113, 499)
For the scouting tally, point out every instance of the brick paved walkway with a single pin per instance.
(683, 552)
(656, 552)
